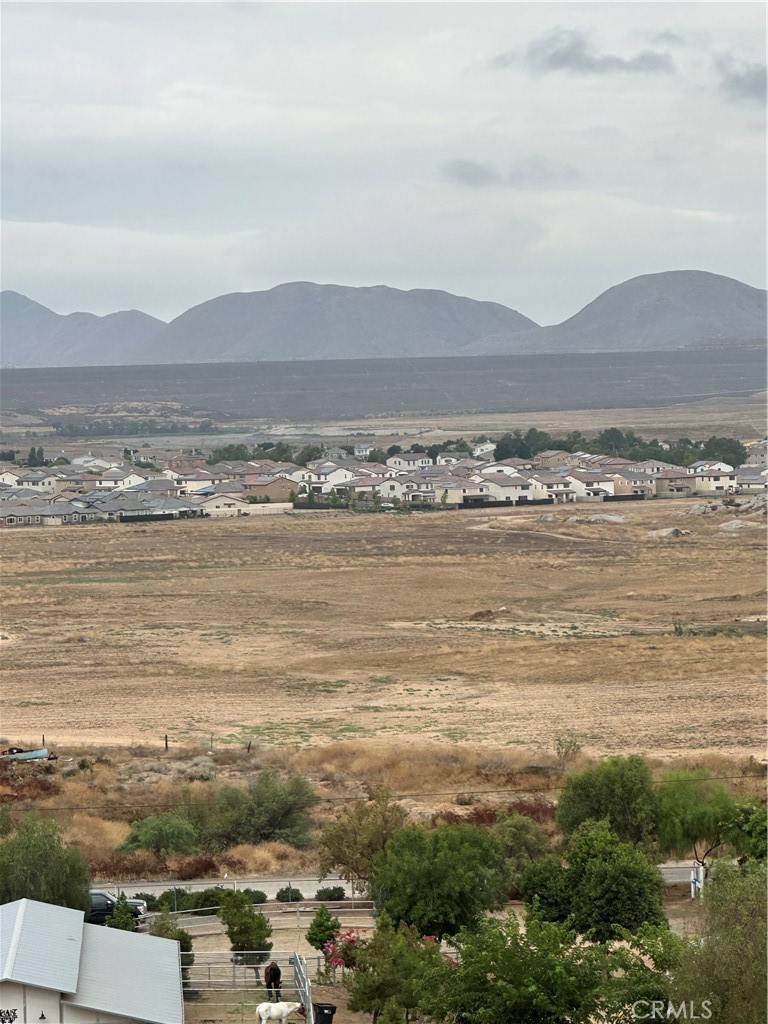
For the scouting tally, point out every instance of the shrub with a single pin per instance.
(149, 898)
(121, 917)
(331, 893)
(270, 809)
(322, 928)
(162, 833)
(288, 894)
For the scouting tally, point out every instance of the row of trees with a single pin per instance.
(498, 971)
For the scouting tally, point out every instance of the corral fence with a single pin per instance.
(221, 971)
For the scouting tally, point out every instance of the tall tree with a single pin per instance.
(248, 931)
(362, 830)
(696, 814)
(725, 967)
(35, 864)
(619, 789)
(439, 880)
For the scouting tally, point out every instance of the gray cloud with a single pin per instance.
(668, 39)
(570, 50)
(533, 172)
(471, 173)
(742, 81)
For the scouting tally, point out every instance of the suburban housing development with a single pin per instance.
(183, 485)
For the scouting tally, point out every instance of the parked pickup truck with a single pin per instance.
(103, 906)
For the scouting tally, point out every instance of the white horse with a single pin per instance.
(277, 1011)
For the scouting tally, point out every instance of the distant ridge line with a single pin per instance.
(680, 309)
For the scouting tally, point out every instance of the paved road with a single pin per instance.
(673, 872)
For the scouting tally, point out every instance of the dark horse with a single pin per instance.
(272, 979)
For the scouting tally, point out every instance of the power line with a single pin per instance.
(395, 796)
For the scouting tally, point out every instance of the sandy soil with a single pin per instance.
(316, 627)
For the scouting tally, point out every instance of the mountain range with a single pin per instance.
(654, 312)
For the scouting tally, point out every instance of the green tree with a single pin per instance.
(726, 965)
(608, 887)
(362, 830)
(619, 789)
(248, 931)
(35, 864)
(387, 979)
(308, 453)
(32, 457)
(377, 455)
(512, 446)
(322, 928)
(725, 449)
(439, 880)
(614, 886)
(756, 830)
(230, 453)
(540, 975)
(165, 926)
(695, 814)
(121, 917)
(522, 842)
(394, 449)
(163, 833)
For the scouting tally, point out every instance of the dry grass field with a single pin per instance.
(305, 632)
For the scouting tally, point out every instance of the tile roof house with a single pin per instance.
(55, 967)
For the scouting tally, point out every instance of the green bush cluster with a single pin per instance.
(203, 899)
(270, 809)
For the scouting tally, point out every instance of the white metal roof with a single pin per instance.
(136, 976)
(27, 928)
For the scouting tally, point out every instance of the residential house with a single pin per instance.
(407, 462)
(714, 480)
(654, 466)
(508, 487)
(185, 462)
(484, 449)
(704, 465)
(55, 967)
(626, 483)
(551, 458)
(222, 505)
(35, 513)
(757, 454)
(362, 451)
(751, 479)
(590, 485)
(157, 485)
(550, 485)
(674, 483)
(119, 478)
(269, 488)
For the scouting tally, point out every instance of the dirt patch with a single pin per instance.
(302, 631)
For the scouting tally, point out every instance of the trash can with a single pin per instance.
(324, 1012)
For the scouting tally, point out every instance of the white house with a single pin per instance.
(509, 487)
(709, 464)
(714, 480)
(55, 967)
(484, 450)
(407, 462)
(589, 485)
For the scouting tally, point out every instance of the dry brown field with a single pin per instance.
(306, 631)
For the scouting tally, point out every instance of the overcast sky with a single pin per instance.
(534, 154)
